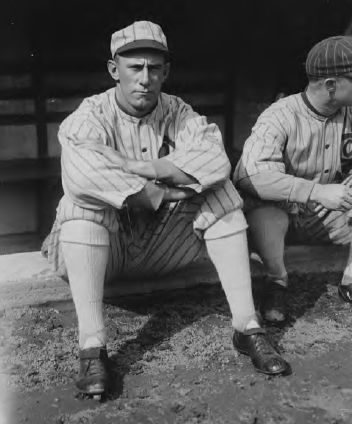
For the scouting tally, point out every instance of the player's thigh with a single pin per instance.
(174, 243)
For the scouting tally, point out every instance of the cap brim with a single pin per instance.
(143, 44)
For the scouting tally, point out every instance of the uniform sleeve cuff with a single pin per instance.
(301, 190)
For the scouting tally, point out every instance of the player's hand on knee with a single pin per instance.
(333, 196)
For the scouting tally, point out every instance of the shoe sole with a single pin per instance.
(93, 390)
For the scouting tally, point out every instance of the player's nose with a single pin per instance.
(144, 79)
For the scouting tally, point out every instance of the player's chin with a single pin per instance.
(145, 104)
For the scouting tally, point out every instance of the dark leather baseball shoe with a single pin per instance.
(265, 358)
(273, 305)
(345, 292)
(93, 375)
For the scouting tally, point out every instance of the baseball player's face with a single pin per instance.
(344, 90)
(140, 75)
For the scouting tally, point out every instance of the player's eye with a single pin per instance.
(136, 68)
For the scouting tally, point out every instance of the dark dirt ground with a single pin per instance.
(173, 362)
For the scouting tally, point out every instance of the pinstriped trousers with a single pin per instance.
(150, 243)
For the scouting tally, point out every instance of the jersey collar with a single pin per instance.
(313, 111)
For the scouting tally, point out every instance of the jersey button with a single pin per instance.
(327, 146)
(144, 149)
(326, 171)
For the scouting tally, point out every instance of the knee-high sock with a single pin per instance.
(347, 274)
(85, 248)
(268, 227)
(229, 254)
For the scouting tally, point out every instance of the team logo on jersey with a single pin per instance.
(165, 147)
(346, 146)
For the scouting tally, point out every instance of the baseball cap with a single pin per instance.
(330, 57)
(139, 35)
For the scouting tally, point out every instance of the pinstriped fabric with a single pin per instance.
(320, 224)
(329, 57)
(67, 211)
(291, 148)
(95, 188)
(160, 242)
(290, 143)
(98, 128)
(138, 31)
(217, 203)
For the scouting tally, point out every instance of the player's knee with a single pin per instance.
(84, 232)
(231, 223)
(68, 211)
(268, 216)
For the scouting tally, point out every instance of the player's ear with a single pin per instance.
(113, 69)
(166, 71)
(330, 85)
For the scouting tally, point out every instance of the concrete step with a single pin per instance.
(26, 278)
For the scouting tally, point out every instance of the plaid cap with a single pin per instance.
(330, 57)
(139, 35)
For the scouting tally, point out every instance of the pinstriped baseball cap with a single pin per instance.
(139, 35)
(330, 57)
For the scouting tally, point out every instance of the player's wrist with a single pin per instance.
(315, 193)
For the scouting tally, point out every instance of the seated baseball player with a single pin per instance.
(294, 170)
(146, 188)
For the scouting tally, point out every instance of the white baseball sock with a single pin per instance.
(85, 248)
(229, 254)
(347, 274)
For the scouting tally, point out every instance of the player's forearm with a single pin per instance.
(167, 172)
(277, 186)
(208, 167)
(161, 170)
(152, 195)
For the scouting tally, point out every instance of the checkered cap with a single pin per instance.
(332, 56)
(139, 35)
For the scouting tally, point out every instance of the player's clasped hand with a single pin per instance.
(175, 194)
(333, 196)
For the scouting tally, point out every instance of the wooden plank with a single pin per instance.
(40, 111)
(11, 81)
(29, 169)
(16, 107)
(54, 147)
(17, 119)
(16, 93)
(18, 142)
(18, 212)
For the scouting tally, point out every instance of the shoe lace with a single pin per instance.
(263, 346)
(95, 367)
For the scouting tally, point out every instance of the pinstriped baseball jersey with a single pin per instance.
(92, 181)
(291, 148)
(96, 189)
